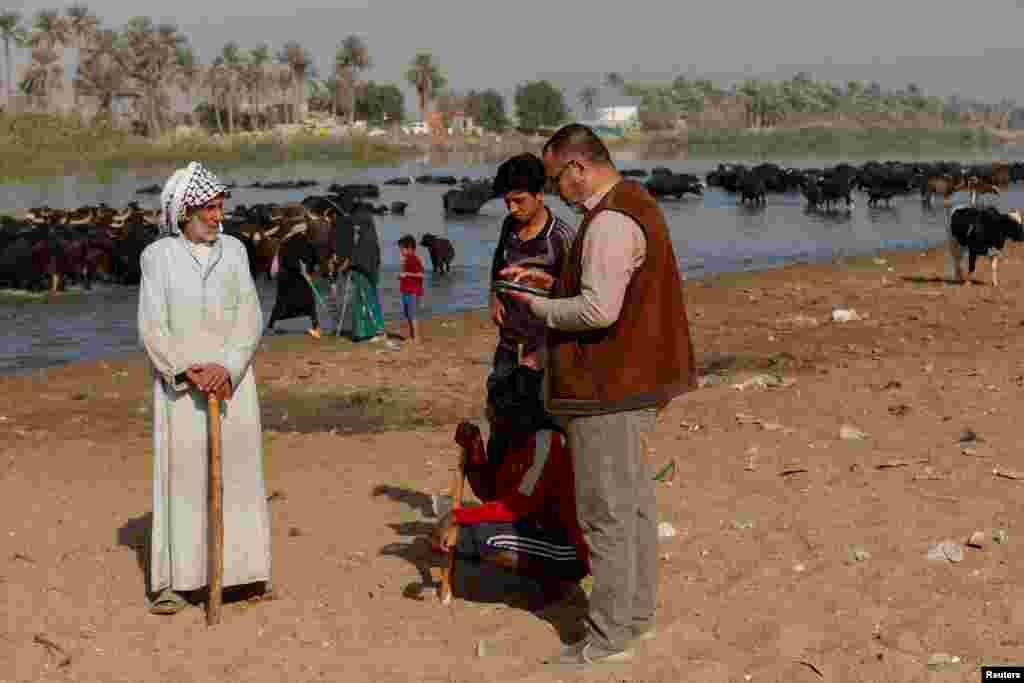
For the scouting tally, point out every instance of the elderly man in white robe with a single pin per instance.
(200, 323)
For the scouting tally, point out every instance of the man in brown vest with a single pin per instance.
(618, 351)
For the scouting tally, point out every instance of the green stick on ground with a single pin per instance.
(670, 467)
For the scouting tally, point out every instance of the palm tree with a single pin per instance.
(44, 72)
(151, 58)
(296, 57)
(214, 81)
(255, 77)
(11, 31)
(351, 58)
(425, 75)
(49, 29)
(234, 61)
(50, 33)
(100, 73)
(81, 25)
(284, 80)
(588, 98)
(187, 72)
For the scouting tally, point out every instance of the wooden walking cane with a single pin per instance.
(448, 572)
(215, 519)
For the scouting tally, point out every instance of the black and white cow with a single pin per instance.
(981, 231)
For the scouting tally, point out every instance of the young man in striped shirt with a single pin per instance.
(532, 236)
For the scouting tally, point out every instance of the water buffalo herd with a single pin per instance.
(880, 181)
(49, 248)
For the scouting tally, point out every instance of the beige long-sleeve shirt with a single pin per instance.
(613, 248)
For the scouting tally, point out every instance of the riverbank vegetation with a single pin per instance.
(49, 144)
(39, 145)
(839, 143)
(791, 102)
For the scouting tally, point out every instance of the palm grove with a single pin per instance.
(137, 62)
(255, 87)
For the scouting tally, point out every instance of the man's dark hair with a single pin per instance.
(516, 397)
(578, 140)
(521, 173)
(407, 241)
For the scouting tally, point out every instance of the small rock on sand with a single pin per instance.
(851, 433)
(666, 530)
(946, 550)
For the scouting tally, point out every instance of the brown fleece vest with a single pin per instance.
(645, 358)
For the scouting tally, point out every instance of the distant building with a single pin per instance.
(625, 116)
(602, 128)
(463, 123)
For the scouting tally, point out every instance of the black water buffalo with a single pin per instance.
(355, 190)
(726, 176)
(773, 176)
(128, 250)
(442, 253)
(468, 199)
(811, 190)
(282, 184)
(674, 185)
(891, 177)
(752, 189)
(430, 179)
(837, 184)
(878, 194)
(16, 267)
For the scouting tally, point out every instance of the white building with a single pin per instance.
(624, 116)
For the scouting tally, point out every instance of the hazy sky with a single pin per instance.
(945, 46)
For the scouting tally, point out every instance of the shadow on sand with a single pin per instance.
(135, 534)
(936, 280)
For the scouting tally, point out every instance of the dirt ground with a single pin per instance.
(800, 555)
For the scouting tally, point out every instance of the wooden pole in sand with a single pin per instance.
(448, 572)
(215, 519)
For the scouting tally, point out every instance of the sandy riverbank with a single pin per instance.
(798, 551)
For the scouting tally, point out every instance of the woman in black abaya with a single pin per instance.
(297, 259)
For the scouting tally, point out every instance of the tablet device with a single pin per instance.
(508, 285)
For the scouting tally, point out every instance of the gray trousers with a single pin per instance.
(615, 504)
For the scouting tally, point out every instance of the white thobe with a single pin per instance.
(203, 311)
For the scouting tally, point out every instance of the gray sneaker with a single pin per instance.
(586, 655)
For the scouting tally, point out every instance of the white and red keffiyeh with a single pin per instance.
(188, 187)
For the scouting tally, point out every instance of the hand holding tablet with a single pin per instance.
(501, 286)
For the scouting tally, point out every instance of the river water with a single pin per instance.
(711, 235)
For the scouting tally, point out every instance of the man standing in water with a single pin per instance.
(618, 351)
(200, 323)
